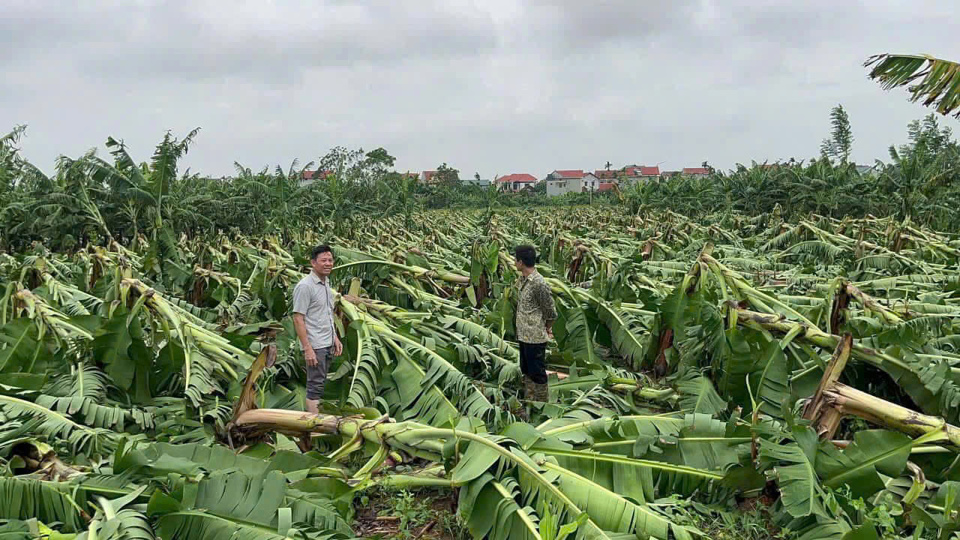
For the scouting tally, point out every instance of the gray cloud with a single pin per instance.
(492, 86)
(266, 41)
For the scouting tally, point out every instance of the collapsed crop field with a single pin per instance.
(808, 368)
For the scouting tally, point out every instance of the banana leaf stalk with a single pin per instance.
(207, 352)
(932, 386)
(617, 384)
(756, 297)
(858, 245)
(780, 325)
(36, 308)
(869, 303)
(415, 271)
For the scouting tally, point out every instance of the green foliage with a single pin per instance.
(235, 505)
(26, 499)
(123, 355)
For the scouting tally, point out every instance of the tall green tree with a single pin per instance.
(447, 176)
(378, 162)
(840, 143)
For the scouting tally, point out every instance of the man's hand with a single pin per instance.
(337, 346)
(550, 332)
(310, 356)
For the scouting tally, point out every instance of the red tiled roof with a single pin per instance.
(605, 186)
(570, 173)
(427, 175)
(696, 170)
(310, 175)
(517, 177)
(630, 172)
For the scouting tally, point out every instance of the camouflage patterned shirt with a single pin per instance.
(535, 309)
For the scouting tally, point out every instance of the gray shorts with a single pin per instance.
(317, 375)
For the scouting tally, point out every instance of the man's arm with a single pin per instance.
(547, 307)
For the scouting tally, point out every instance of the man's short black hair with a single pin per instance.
(317, 251)
(527, 255)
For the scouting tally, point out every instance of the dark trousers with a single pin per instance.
(533, 362)
(317, 375)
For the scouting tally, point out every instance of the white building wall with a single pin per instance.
(555, 187)
(563, 185)
(590, 182)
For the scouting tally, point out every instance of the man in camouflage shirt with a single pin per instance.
(536, 313)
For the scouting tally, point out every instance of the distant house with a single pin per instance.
(647, 173)
(564, 181)
(629, 174)
(696, 171)
(481, 182)
(867, 170)
(603, 174)
(427, 177)
(516, 182)
(639, 173)
(308, 177)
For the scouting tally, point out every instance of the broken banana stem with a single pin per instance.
(384, 431)
(825, 419)
(852, 402)
(287, 422)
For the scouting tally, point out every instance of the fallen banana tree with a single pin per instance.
(601, 474)
(930, 382)
(521, 457)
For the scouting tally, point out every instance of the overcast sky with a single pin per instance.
(488, 86)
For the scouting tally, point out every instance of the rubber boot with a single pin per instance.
(529, 389)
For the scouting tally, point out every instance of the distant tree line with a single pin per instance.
(93, 200)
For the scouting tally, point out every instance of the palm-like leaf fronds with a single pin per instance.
(932, 81)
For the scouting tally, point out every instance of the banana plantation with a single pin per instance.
(810, 368)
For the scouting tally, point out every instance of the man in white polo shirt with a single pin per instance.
(313, 319)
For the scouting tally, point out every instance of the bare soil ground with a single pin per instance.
(418, 515)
